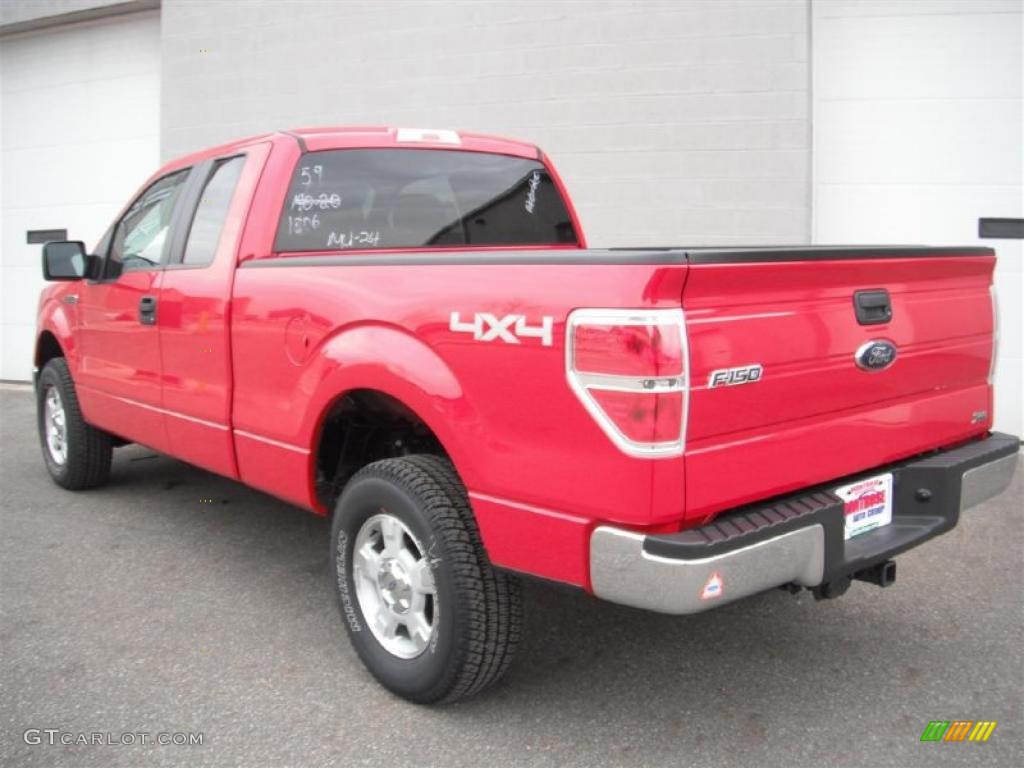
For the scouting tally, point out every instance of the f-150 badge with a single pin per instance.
(511, 328)
(730, 377)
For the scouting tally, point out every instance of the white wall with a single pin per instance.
(917, 133)
(79, 131)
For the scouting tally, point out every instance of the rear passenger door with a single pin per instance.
(195, 303)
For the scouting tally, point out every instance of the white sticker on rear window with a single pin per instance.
(531, 193)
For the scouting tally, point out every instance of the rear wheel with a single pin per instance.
(77, 455)
(428, 615)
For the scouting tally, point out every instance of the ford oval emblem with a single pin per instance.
(875, 355)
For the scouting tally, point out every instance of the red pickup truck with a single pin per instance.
(404, 329)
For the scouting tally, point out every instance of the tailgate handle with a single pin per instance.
(872, 307)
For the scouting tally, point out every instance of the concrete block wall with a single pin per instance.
(678, 122)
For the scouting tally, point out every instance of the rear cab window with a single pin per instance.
(366, 199)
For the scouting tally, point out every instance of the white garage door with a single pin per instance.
(79, 131)
(918, 134)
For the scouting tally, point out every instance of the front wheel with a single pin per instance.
(77, 455)
(425, 610)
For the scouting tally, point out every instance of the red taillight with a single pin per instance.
(628, 367)
(643, 417)
(629, 350)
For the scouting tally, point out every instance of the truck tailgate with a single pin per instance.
(814, 414)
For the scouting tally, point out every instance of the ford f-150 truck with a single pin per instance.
(404, 329)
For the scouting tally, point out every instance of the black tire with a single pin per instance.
(88, 450)
(479, 610)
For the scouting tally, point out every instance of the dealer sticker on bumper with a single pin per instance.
(867, 504)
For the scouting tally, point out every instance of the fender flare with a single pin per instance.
(53, 319)
(390, 360)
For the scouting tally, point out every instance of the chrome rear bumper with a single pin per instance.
(987, 480)
(797, 540)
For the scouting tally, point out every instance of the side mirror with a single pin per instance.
(65, 260)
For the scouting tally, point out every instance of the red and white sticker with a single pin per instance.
(867, 504)
(713, 587)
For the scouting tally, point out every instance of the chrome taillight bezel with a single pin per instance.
(582, 382)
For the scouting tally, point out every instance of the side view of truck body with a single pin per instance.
(326, 312)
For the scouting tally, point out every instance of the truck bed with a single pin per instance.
(813, 416)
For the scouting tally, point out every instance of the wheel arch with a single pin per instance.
(362, 426)
(47, 348)
(397, 379)
(54, 338)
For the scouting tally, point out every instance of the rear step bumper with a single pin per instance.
(797, 539)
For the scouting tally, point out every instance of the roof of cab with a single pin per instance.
(369, 137)
(384, 137)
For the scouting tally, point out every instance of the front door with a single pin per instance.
(118, 379)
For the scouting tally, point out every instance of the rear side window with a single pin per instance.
(211, 212)
(412, 198)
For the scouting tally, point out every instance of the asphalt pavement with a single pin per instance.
(176, 601)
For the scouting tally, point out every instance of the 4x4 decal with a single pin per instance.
(510, 328)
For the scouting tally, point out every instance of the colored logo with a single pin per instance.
(958, 730)
(875, 355)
